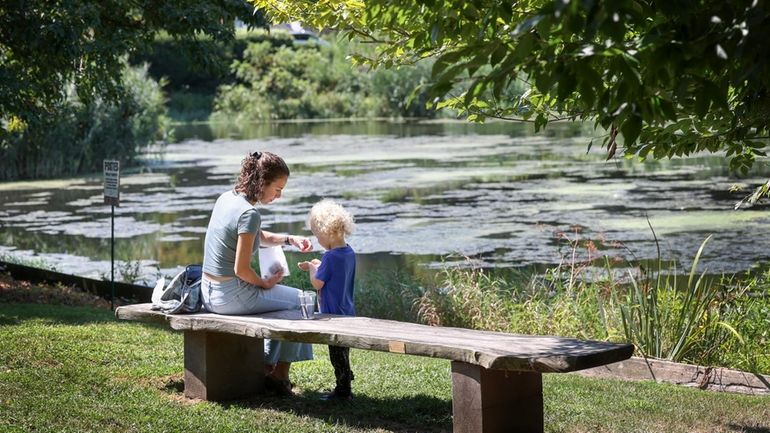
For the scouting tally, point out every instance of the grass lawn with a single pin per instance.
(77, 369)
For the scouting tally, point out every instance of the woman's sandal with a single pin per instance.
(280, 387)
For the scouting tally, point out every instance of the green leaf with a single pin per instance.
(498, 54)
(702, 104)
(524, 47)
(732, 330)
(630, 129)
(566, 86)
(543, 82)
(587, 95)
(499, 85)
(667, 107)
(445, 61)
(475, 89)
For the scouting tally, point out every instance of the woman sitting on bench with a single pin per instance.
(229, 284)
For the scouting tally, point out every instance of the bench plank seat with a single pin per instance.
(496, 377)
(493, 350)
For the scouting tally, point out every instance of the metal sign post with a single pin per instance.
(112, 198)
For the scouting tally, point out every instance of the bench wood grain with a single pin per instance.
(496, 377)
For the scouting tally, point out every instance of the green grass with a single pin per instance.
(76, 369)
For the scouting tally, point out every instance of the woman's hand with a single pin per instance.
(302, 243)
(269, 283)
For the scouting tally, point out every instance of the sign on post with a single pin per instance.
(112, 197)
(112, 182)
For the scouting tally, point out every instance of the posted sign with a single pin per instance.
(112, 182)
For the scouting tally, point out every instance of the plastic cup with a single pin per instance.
(306, 305)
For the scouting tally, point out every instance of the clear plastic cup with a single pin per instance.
(306, 305)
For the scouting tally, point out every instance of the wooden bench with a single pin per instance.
(496, 377)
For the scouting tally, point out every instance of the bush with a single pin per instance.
(187, 106)
(394, 87)
(75, 136)
(171, 61)
(748, 307)
(285, 82)
(191, 82)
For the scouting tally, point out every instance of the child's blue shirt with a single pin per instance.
(337, 271)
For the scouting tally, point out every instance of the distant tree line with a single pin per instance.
(264, 75)
(284, 81)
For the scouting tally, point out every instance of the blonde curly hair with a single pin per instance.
(330, 219)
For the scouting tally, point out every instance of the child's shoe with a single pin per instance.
(337, 396)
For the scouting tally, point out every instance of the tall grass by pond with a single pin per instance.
(718, 321)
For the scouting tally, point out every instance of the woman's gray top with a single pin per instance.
(232, 215)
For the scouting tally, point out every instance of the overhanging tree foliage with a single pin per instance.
(663, 78)
(46, 45)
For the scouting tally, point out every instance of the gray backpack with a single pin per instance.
(182, 294)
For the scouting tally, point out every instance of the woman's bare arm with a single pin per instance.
(243, 269)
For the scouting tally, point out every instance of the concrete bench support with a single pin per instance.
(492, 401)
(220, 366)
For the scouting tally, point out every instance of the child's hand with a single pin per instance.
(306, 266)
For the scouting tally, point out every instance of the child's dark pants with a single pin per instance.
(340, 359)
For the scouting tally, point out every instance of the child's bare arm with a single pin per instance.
(312, 267)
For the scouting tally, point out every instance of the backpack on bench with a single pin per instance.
(182, 294)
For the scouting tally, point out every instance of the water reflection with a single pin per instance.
(497, 192)
(406, 128)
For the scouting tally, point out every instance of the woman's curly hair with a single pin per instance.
(330, 219)
(258, 170)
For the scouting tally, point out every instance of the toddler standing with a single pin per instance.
(333, 277)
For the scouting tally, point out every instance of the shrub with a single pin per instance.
(285, 82)
(169, 60)
(75, 136)
(186, 106)
(746, 308)
(395, 87)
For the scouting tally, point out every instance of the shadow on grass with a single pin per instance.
(404, 414)
(748, 429)
(16, 314)
(414, 413)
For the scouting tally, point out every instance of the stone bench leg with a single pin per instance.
(220, 366)
(487, 401)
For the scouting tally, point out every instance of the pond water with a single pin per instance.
(424, 194)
